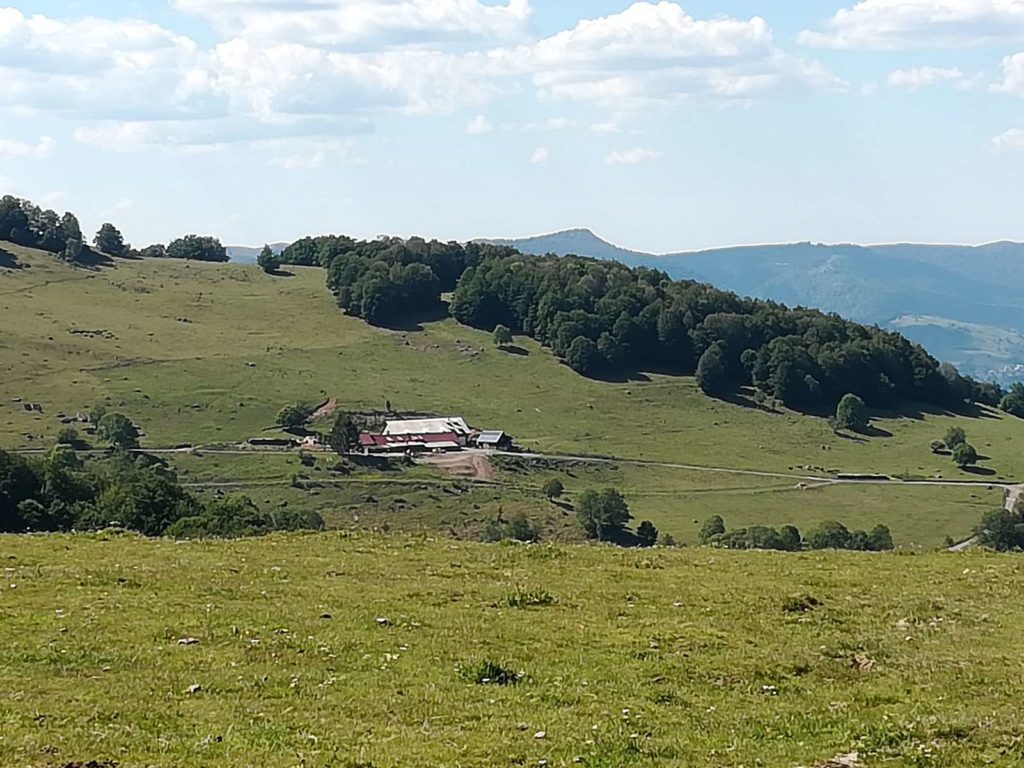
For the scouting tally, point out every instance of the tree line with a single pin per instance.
(63, 492)
(605, 319)
(24, 223)
(828, 535)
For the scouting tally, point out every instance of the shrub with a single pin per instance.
(955, 436)
(800, 604)
(554, 488)
(529, 598)
(293, 416)
(647, 534)
(937, 446)
(713, 526)
(852, 414)
(668, 540)
(516, 528)
(965, 455)
(490, 673)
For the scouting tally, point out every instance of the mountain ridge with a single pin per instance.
(966, 289)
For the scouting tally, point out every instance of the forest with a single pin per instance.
(606, 320)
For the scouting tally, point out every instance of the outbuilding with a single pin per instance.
(493, 440)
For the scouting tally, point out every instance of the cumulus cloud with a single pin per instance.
(1012, 139)
(657, 53)
(925, 77)
(1013, 76)
(12, 149)
(631, 156)
(479, 126)
(540, 155)
(333, 23)
(901, 24)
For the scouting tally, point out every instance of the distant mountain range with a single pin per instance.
(246, 254)
(963, 303)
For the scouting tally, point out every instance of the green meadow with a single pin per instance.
(344, 649)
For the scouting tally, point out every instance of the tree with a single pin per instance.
(109, 240)
(118, 430)
(1000, 529)
(583, 356)
(712, 372)
(603, 514)
(647, 534)
(554, 488)
(502, 336)
(712, 527)
(70, 230)
(268, 261)
(955, 436)
(791, 539)
(965, 455)
(830, 535)
(155, 251)
(880, 539)
(852, 414)
(1013, 402)
(293, 416)
(197, 248)
(344, 437)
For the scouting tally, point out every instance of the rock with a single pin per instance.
(540, 735)
(383, 621)
(188, 641)
(326, 616)
(194, 688)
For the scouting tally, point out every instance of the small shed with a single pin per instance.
(494, 440)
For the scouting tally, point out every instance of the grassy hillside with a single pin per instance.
(207, 353)
(337, 650)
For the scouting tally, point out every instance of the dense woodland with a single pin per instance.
(607, 320)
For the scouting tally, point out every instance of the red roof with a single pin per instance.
(400, 441)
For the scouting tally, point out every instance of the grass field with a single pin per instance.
(203, 353)
(346, 650)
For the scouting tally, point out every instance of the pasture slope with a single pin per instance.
(207, 353)
(352, 650)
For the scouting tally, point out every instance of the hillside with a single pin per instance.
(206, 354)
(941, 287)
(353, 650)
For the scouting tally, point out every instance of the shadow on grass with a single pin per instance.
(980, 471)
(412, 322)
(743, 400)
(9, 261)
(514, 350)
(281, 273)
(622, 377)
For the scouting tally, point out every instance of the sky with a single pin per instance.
(662, 126)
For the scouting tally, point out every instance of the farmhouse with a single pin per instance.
(445, 426)
(412, 443)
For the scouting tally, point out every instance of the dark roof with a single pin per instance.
(492, 437)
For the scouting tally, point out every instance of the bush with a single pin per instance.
(852, 414)
(490, 673)
(955, 436)
(964, 455)
(294, 416)
(554, 488)
(713, 526)
(668, 540)
(529, 598)
(937, 446)
(800, 604)
(516, 528)
(647, 534)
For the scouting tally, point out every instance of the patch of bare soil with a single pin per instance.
(468, 466)
(326, 410)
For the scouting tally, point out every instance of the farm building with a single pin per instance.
(414, 443)
(492, 440)
(453, 425)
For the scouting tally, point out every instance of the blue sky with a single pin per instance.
(662, 126)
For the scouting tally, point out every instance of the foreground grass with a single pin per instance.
(345, 650)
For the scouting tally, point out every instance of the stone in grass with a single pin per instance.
(188, 641)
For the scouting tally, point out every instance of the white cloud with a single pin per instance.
(540, 155)
(1012, 139)
(631, 156)
(657, 53)
(1013, 76)
(479, 126)
(605, 129)
(902, 24)
(11, 149)
(334, 23)
(925, 77)
(308, 154)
